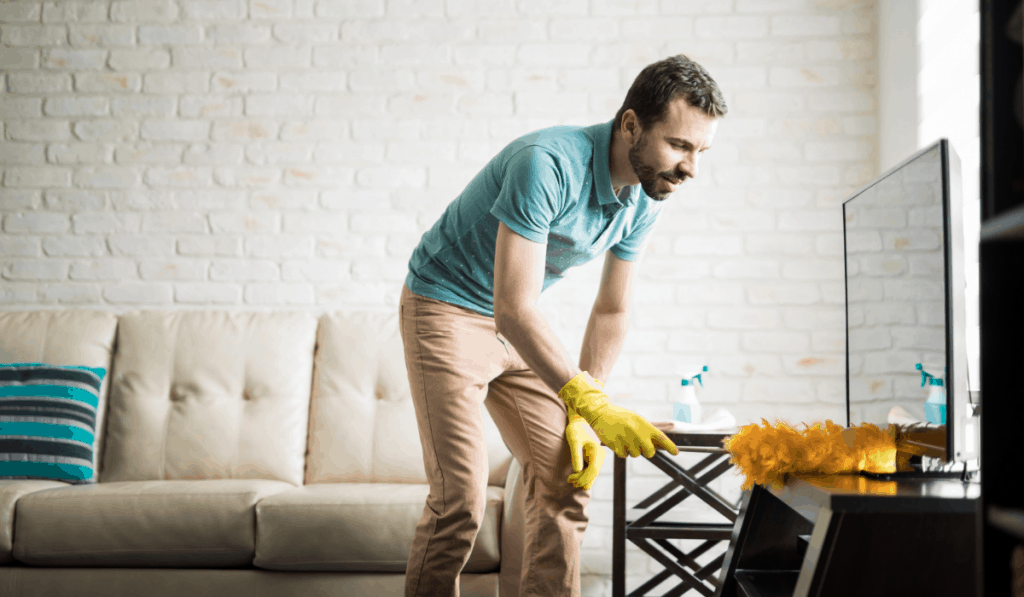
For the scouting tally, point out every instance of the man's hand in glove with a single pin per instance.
(621, 429)
(583, 446)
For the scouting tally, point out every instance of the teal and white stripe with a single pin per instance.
(48, 421)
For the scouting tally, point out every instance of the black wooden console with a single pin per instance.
(847, 535)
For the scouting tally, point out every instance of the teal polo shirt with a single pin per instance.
(551, 186)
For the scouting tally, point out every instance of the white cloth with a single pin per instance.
(720, 420)
(901, 416)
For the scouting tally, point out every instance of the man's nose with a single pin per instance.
(688, 165)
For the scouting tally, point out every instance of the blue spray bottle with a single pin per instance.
(686, 408)
(935, 407)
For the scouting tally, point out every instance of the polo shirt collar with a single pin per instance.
(602, 176)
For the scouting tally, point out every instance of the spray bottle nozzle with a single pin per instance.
(925, 376)
(689, 380)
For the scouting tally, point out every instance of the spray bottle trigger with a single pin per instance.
(924, 375)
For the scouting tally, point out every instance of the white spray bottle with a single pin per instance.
(935, 406)
(686, 408)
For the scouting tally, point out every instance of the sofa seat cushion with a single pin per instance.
(10, 492)
(364, 527)
(186, 524)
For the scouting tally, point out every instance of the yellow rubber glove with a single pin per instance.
(583, 446)
(621, 429)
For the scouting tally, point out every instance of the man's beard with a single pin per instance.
(647, 175)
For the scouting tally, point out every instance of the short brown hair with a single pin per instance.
(661, 82)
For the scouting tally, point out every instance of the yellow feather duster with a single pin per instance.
(767, 454)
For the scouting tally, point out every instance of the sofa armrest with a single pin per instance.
(511, 481)
(512, 525)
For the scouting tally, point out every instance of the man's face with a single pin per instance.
(666, 153)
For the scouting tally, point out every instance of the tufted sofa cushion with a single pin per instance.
(362, 420)
(210, 395)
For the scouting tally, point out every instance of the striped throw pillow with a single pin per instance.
(48, 421)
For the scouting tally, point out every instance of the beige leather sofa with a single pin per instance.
(241, 453)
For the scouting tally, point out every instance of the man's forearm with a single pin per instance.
(533, 339)
(602, 342)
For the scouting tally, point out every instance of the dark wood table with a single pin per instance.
(652, 535)
(848, 535)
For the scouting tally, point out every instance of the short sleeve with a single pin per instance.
(632, 246)
(531, 194)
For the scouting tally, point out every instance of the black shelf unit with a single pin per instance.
(1009, 521)
(1001, 257)
(1002, 334)
(1006, 226)
(852, 536)
(767, 583)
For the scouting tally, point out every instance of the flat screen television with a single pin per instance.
(905, 306)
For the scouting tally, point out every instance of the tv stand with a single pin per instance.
(914, 475)
(917, 473)
(848, 535)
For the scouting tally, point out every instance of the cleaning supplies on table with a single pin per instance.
(686, 407)
(686, 411)
(720, 419)
(935, 406)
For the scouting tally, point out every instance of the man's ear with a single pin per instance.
(630, 127)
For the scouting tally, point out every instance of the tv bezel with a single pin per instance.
(957, 388)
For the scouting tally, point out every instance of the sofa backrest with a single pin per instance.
(210, 395)
(362, 420)
(219, 394)
(82, 338)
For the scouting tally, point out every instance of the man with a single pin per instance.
(550, 200)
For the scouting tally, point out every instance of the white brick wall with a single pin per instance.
(947, 34)
(289, 153)
(929, 88)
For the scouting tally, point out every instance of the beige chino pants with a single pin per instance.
(453, 356)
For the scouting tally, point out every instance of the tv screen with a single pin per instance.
(905, 305)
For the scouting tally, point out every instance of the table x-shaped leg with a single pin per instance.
(650, 534)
